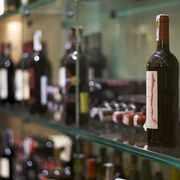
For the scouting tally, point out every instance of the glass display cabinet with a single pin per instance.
(95, 54)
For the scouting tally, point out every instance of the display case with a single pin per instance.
(117, 40)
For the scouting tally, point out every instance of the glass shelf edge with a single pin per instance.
(133, 11)
(28, 7)
(163, 159)
(72, 131)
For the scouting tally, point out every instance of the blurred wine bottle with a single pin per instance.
(22, 78)
(146, 171)
(6, 75)
(102, 158)
(40, 71)
(133, 171)
(79, 166)
(30, 167)
(68, 78)
(118, 163)
(7, 156)
(108, 171)
(98, 61)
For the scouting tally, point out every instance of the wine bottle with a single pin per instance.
(79, 166)
(7, 156)
(108, 171)
(6, 75)
(22, 78)
(101, 159)
(31, 170)
(146, 170)
(68, 79)
(39, 76)
(162, 87)
(91, 169)
(98, 61)
(133, 171)
(118, 163)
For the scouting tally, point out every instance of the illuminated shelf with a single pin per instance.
(56, 6)
(107, 137)
(29, 7)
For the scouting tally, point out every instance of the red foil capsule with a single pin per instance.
(117, 117)
(128, 119)
(139, 120)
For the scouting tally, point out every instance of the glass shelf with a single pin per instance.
(52, 6)
(40, 4)
(106, 134)
(145, 8)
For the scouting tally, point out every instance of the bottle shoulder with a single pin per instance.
(7, 62)
(162, 58)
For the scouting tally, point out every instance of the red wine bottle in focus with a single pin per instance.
(22, 78)
(39, 72)
(68, 79)
(7, 156)
(162, 78)
(6, 75)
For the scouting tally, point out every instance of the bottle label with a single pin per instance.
(37, 40)
(3, 83)
(4, 168)
(43, 86)
(19, 84)
(151, 100)
(73, 80)
(26, 85)
(84, 102)
(62, 77)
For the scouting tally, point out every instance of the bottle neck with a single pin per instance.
(162, 35)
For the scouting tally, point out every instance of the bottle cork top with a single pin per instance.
(162, 18)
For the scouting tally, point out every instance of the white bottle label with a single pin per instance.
(37, 40)
(4, 168)
(151, 100)
(19, 84)
(3, 84)
(26, 84)
(62, 77)
(44, 89)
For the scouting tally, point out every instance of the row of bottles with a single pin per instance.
(55, 158)
(25, 83)
(35, 158)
